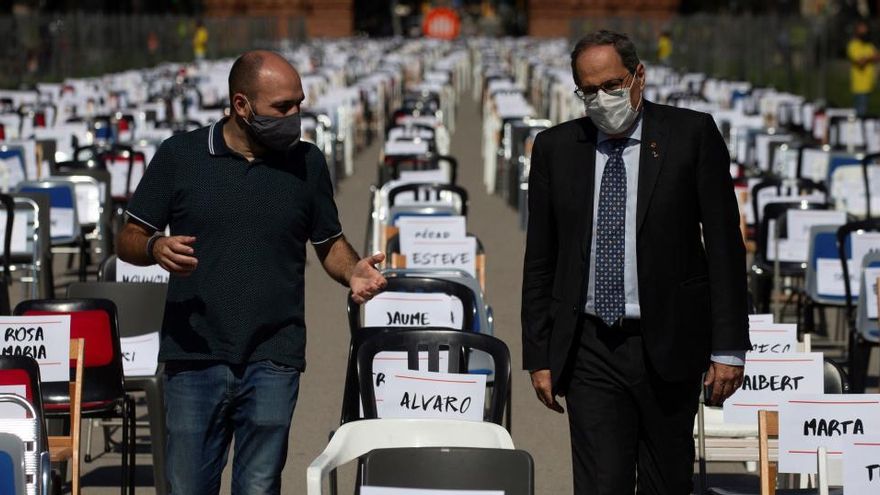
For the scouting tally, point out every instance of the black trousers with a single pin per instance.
(630, 431)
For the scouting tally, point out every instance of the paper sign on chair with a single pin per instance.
(861, 466)
(46, 338)
(807, 422)
(768, 379)
(423, 394)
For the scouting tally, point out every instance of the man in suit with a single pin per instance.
(634, 281)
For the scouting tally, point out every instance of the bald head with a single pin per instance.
(264, 83)
(257, 70)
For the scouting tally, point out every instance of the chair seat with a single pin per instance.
(716, 427)
(87, 407)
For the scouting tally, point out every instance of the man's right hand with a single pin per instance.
(544, 389)
(175, 254)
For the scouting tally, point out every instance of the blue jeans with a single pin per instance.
(207, 405)
(860, 103)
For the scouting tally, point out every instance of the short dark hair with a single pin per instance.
(621, 43)
(243, 75)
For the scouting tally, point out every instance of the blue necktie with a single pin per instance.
(610, 230)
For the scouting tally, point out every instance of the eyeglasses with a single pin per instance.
(587, 93)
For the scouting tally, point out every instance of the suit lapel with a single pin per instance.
(583, 172)
(651, 157)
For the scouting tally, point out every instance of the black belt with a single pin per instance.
(632, 326)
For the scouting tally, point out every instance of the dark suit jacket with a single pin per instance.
(690, 253)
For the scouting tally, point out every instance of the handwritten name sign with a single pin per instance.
(459, 254)
(829, 277)
(775, 338)
(140, 354)
(423, 394)
(769, 379)
(861, 466)
(387, 362)
(761, 319)
(871, 275)
(863, 244)
(18, 242)
(437, 175)
(800, 221)
(413, 309)
(429, 228)
(126, 272)
(807, 422)
(9, 410)
(44, 338)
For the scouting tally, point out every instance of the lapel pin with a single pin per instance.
(653, 144)
(656, 155)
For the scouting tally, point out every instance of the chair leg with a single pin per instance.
(124, 473)
(88, 455)
(132, 437)
(156, 413)
(859, 355)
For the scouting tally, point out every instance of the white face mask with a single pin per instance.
(612, 112)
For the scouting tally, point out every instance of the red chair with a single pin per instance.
(103, 391)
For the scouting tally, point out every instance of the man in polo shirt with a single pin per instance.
(241, 198)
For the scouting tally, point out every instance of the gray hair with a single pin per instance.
(621, 43)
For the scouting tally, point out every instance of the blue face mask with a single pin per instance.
(275, 133)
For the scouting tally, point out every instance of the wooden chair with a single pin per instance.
(768, 427)
(768, 436)
(64, 448)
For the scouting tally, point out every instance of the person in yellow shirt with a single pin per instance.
(664, 47)
(863, 57)
(200, 41)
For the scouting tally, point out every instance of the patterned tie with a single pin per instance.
(610, 229)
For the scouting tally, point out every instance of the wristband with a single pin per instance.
(152, 241)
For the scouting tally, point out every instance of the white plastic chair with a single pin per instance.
(36, 461)
(356, 438)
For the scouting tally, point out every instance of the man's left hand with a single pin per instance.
(365, 280)
(724, 380)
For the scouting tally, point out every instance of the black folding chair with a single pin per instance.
(450, 468)
(433, 340)
(141, 308)
(859, 347)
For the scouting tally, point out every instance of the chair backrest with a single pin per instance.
(431, 193)
(426, 284)
(140, 306)
(823, 245)
(868, 161)
(30, 432)
(433, 340)
(24, 371)
(107, 269)
(868, 328)
(768, 428)
(450, 468)
(94, 321)
(775, 213)
(844, 234)
(834, 378)
(33, 209)
(62, 207)
(784, 188)
(12, 462)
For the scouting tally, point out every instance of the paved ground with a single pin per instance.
(535, 429)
